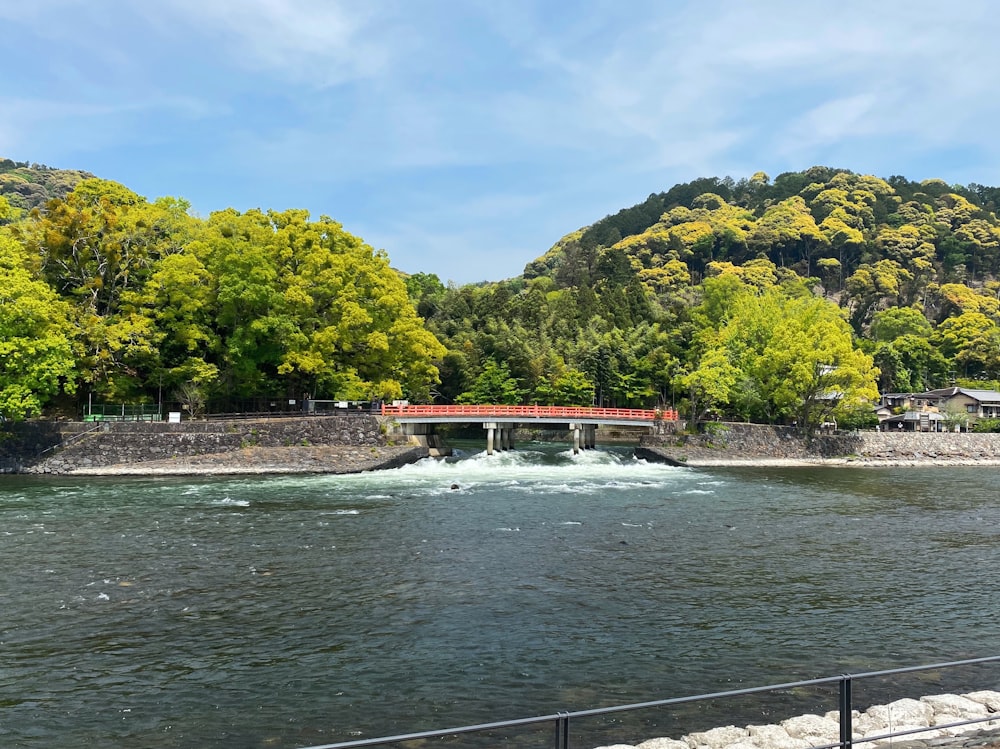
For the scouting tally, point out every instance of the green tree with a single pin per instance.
(779, 357)
(493, 386)
(36, 350)
(305, 307)
(890, 324)
(571, 387)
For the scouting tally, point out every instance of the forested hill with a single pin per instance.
(823, 221)
(751, 299)
(792, 301)
(28, 186)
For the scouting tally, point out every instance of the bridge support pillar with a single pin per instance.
(590, 436)
(491, 430)
(576, 429)
(506, 438)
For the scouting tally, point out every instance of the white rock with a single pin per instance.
(896, 716)
(954, 704)
(717, 738)
(988, 698)
(815, 729)
(774, 737)
(663, 743)
(742, 745)
(943, 719)
(617, 746)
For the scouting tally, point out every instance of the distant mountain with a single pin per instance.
(28, 186)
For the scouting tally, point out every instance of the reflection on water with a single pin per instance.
(288, 611)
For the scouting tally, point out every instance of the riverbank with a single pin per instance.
(880, 723)
(332, 459)
(316, 444)
(720, 459)
(757, 445)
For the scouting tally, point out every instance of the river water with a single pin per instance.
(289, 611)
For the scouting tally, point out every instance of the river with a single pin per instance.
(289, 611)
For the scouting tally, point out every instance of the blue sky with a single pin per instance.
(464, 137)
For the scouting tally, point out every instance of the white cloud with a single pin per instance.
(320, 42)
(831, 122)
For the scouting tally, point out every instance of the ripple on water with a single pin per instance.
(389, 602)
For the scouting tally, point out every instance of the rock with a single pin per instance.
(952, 705)
(955, 708)
(663, 743)
(742, 745)
(816, 729)
(988, 698)
(774, 737)
(717, 738)
(900, 715)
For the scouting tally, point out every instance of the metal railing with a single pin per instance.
(530, 412)
(123, 412)
(561, 722)
(69, 440)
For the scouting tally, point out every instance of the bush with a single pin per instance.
(986, 426)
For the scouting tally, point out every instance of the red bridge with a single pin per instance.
(500, 420)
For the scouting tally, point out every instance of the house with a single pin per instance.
(907, 401)
(976, 404)
(944, 409)
(914, 421)
(911, 412)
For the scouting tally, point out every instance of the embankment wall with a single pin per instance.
(738, 441)
(40, 447)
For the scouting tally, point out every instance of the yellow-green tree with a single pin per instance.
(36, 351)
(782, 357)
(95, 248)
(305, 307)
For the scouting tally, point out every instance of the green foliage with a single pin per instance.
(26, 186)
(569, 388)
(702, 297)
(778, 357)
(36, 339)
(984, 426)
(861, 417)
(494, 385)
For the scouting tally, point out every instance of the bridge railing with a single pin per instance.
(529, 412)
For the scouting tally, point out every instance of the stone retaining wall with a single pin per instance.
(737, 441)
(73, 446)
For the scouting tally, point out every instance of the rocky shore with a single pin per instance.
(874, 728)
(332, 459)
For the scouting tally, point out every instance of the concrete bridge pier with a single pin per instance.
(507, 437)
(498, 436)
(491, 429)
(584, 436)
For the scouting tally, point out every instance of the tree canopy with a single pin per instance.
(792, 300)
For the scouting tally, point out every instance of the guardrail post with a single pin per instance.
(562, 731)
(846, 713)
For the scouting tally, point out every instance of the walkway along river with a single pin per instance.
(290, 611)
